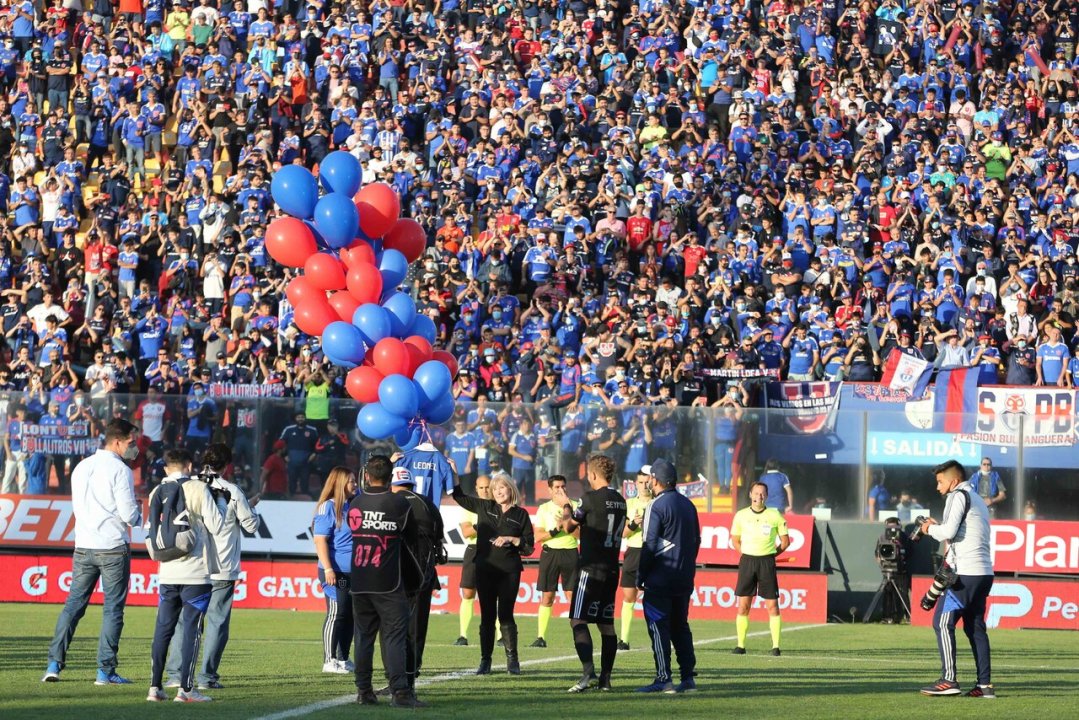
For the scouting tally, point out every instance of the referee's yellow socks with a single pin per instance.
(544, 619)
(468, 606)
(775, 624)
(741, 626)
(627, 620)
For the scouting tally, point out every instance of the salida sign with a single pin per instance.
(294, 586)
(1047, 604)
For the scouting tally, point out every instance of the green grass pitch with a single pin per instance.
(273, 662)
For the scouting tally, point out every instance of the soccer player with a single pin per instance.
(601, 516)
(559, 556)
(754, 533)
(468, 563)
(634, 536)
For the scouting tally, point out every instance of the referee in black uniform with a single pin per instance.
(601, 516)
(384, 570)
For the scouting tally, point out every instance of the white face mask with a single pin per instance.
(131, 452)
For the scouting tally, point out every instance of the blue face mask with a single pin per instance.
(496, 315)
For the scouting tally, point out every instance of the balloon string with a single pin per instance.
(425, 433)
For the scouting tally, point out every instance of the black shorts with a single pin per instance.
(757, 577)
(468, 569)
(593, 600)
(555, 564)
(630, 563)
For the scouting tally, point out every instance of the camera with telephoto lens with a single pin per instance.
(943, 580)
(208, 475)
(916, 534)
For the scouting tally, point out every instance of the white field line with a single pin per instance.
(458, 674)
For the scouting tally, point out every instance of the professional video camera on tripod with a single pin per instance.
(894, 590)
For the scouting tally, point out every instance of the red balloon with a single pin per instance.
(391, 356)
(344, 305)
(357, 253)
(290, 242)
(301, 289)
(408, 237)
(325, 272)
(379, 208)
(362, 383)
(419, 352)
(365, 283)
(313, 315)
(446, 359)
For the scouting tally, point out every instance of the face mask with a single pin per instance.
(619, 376)
(79, 401)
(716, 320)
(496, 315)
(131, 452)
(199, 393)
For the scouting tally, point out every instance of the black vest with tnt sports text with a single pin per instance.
(383, 543)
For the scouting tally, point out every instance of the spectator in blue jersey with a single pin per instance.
(987, 483)
(780, 495)
(201, 418)
(879, 497)
(300, 441)
(1052, 359)
(461, 452)
(333, 545)
(15, 454)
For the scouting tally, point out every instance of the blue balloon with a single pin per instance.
(319, 240)
(339, 362)
(393, 267)
(402, 311)
(409, 438)
(424, 327)
(337, 219)
(398, 395)
(432, 381)
(373, 322)
(343, 341)
(376, 423)
(340, 172)
(441, 410)
(295, 191)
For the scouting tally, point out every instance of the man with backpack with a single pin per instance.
(182, 516)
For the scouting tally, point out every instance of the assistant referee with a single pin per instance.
(559, 556)
(754, 533)
(634, 538)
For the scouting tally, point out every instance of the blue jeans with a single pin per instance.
(188, 601)
(215, 635)
(113, 567)
(724, 459)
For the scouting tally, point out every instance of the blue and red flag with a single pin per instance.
(955, 399)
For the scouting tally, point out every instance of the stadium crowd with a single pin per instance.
(621, 198)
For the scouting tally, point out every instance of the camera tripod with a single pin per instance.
(887, 581)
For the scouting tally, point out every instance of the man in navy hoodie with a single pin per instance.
(672, 538)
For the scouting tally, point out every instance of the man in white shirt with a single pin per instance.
(184, 583)
(103, 501)
(237, 514)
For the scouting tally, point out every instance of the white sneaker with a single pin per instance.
(191, 696)
(334, 666)
(347, 664)
(172, 684)
(156, 694)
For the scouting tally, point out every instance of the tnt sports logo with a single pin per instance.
(35, 580)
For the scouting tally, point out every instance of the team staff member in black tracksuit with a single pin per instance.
(430, 552)
(601, 517)
(503, 536)
(384, 570)
(672, 538)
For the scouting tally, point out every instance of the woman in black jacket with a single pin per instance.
(503, 537)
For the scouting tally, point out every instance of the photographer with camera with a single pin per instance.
(965, 578)
(237, 515)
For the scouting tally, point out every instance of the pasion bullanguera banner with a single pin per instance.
(294, 585)
(45, 521)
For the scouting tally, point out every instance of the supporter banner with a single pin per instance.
(1046, 416)
(245, 391)
(876, 392)
(739, 373)
(1045, 604)
(266, 585)
(72, 439)
(808, 407)
(47, 522)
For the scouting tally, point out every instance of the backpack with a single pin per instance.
(170, 535)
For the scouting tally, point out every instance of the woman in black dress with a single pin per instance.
(503, 537)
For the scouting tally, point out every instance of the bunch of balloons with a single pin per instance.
(355, 250)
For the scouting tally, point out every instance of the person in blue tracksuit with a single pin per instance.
(668, 566)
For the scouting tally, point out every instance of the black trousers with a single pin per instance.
(337, 631)
(192, 601)
(667, 617)
(497, 591)
(419, 619)
(384, 616)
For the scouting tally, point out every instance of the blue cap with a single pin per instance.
(663, 472)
